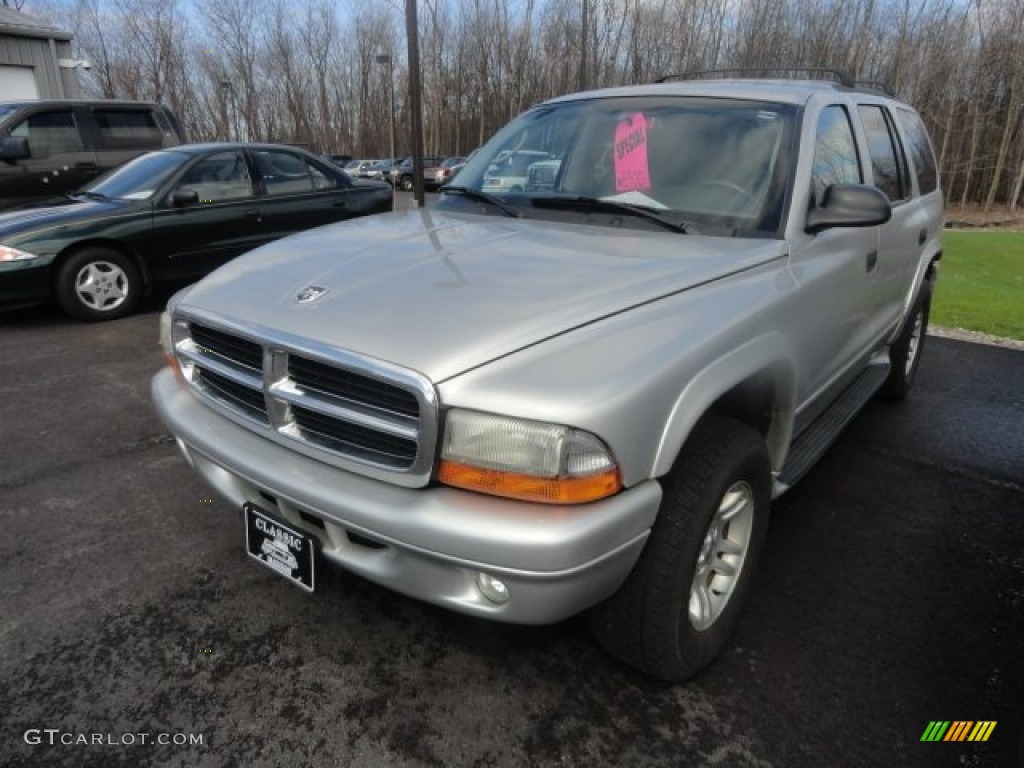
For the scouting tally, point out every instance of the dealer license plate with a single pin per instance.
(281, 547)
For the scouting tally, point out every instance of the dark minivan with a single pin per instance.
(49, 147)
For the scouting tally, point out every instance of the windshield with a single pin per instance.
(721, 166)
(140, 178)
(5, 111)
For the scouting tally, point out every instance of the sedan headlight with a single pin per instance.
(528, 460)
(7, 253)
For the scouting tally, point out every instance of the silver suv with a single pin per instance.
(580, 395)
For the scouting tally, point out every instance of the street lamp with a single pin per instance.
(385, 58)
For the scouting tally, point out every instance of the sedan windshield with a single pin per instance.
(716, 166)
(140, 178)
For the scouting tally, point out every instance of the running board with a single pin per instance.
(823, 431)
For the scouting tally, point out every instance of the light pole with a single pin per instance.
(386, 58)
(228, 88)
(412, 34)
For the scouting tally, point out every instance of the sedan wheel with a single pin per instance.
(98, 284)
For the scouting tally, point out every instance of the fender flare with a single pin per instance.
(768, 353)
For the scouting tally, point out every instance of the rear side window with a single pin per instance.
(920, 151)
(128, 129)
(835, 152)
(886, 151)
(285, 173)
(50, 133)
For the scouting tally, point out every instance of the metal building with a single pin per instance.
(35, 59)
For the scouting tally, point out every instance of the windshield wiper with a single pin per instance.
(483, 197)
(612, 206)
(91, 195)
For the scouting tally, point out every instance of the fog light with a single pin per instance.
(491, 588)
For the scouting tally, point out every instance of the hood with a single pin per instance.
(442, 293)
(54, 214)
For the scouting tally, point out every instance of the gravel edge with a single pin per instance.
(974, 337)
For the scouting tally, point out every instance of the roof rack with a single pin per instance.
(813, 73)
(876, 85)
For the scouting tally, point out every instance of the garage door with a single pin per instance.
(17, 83)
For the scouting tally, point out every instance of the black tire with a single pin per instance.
(406, 183)
(98, 284)
(905, 352)
(650, 623)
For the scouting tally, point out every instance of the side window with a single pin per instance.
(127, 129)
(287, 173)
(50, 133)
(920, 151)
(835, 152)
(219, 178)
(886, 151)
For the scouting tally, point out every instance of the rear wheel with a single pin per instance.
(677, 609)
(98, 284)
(905, 352)
(406, 183)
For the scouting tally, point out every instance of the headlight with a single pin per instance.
(167, 341)
(528, 460)
(7, 253)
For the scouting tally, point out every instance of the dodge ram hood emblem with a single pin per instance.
(310, 293)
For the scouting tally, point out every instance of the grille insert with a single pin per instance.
(345, 437)
(344, 409)
(241, 351)
(240, 396)
(330, 380)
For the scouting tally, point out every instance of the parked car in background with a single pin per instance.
(378, 170)
(510, 173)
(460, 165)
(542, 175)
(439, 175)
(339, 160)
(170, 215)
(401, 176)
(51, 147)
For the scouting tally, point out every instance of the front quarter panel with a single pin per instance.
(629, 378)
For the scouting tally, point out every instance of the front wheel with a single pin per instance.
(905, 352)
(406, 183)
(98, 284)
(677, 608)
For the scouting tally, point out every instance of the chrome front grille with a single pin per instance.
(355, 412)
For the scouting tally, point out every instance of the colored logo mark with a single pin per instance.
(958, 730)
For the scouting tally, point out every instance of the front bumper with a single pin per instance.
(429, 543)
(24, 283)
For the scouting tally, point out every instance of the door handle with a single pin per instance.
(340, 204)
(922, 237)
(871, 260)
(86, 166)
(253, 213)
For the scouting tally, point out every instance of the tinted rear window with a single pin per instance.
(920, 151)
(128, 129)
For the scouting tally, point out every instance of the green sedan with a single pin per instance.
(169, 217)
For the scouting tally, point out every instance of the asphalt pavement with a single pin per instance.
(135, 632)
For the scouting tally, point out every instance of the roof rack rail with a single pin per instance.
(876, 85)
(815, 73)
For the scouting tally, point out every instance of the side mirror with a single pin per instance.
(849, 205)
(183, 196)
(14, 148)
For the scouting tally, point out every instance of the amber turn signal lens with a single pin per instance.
(547, 490)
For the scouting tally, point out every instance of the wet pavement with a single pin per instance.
(891, 595)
